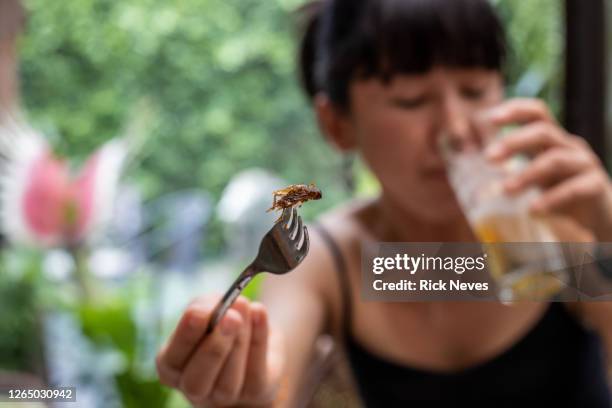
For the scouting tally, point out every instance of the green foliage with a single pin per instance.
(534, 30)
(110, 325)
(221, 74)
(20, 316)
(253, 288)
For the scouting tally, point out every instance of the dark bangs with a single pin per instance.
(366, 38)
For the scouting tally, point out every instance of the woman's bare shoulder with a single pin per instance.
(348, 222)
(342, 224)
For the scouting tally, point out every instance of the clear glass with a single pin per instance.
(527, 271)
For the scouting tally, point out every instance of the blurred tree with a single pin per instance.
(220, 74)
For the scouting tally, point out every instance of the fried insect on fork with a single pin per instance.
(294, 196)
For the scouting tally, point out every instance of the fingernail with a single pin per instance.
(228, 327)
(256, 317)
(512, 184)
(197, 320)
(495, 113)
(494, 151)
(193, 397)
(537, 207)
(220, 396)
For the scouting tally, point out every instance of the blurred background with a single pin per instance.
(206, 93)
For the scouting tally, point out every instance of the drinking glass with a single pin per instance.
(523, 254)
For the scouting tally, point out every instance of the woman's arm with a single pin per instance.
(258, 352)
(597, 316)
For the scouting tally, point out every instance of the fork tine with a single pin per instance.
(303, 242)
(285, 217)
(296, 230)
(294, 213)
(291, 221)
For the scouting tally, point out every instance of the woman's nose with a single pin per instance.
(456, 122)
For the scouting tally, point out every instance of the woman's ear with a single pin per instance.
(334, 123)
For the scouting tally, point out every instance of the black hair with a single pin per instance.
(345, 40)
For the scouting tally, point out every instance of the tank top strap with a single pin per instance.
(343, 279)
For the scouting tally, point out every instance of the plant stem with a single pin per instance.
(83, 279)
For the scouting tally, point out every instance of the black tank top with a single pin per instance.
(558, 363)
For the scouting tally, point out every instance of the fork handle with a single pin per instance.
(230, 296)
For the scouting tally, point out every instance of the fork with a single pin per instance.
(282, 249)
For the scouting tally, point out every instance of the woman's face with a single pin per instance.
(396, 127)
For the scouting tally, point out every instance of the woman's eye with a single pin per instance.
(472, 93)
(410, 103)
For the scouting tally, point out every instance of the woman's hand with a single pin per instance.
(239, 363)
(571, 176)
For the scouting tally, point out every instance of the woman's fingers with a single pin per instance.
(257, 368)
(520, 111)
(570, 174)
(228, 386)
(189, 331)
(167, 375)
(539, 131)
(231, 365)
(530, 140)
(549, 168)
(585, 186)
(200, 373)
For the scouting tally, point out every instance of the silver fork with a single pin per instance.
(282, 249)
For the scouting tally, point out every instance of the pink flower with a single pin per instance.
(43, 203)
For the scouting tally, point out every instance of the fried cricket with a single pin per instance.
(294, 196)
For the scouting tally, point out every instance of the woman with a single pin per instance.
(386, 78)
